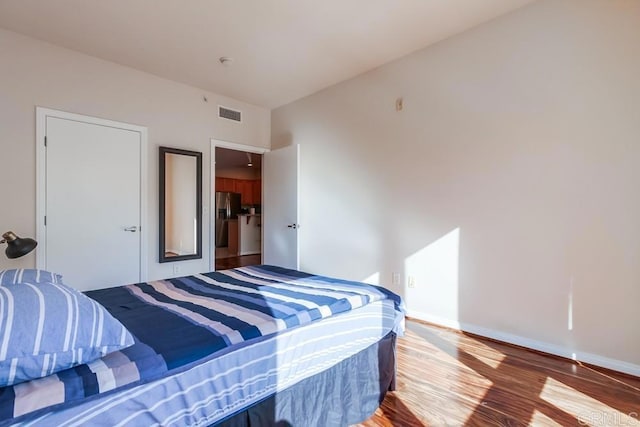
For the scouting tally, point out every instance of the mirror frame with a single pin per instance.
(162, 243)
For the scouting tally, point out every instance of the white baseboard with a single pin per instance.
(594, 359)
(249, 253)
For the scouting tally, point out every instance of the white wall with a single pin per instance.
(508, 185)
(34, 73)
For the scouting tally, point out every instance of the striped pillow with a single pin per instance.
(15, 276)
(48, 327)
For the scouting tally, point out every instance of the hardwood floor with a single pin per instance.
(448, 378)
(238, 261)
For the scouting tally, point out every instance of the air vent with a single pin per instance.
(229, 114)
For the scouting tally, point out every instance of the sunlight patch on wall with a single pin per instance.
(432, 277)
(570, 307)
(374, 279)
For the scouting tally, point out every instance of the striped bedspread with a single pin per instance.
(182, 322)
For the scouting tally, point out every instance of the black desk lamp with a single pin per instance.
(17, 246)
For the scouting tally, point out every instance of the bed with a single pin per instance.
(259, 345)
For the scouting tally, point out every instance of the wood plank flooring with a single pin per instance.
(237, 261)
(448, 378)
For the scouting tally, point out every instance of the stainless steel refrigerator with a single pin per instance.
(227, 207)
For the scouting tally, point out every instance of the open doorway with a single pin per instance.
(236, 206)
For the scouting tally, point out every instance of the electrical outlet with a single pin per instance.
(395, 279)
(411, 282)
(176, 269)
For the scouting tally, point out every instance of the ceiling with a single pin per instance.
(283, 50)
(228, 159)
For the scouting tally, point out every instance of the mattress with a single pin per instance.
(199, 378)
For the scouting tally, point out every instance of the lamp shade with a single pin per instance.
(17, 246)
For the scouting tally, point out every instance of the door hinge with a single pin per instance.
(45, 220)
(45, 141)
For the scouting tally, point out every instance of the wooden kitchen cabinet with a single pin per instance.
(250, 189)
(226, 184)
(233, 237)
(244, 188)
(257, 191)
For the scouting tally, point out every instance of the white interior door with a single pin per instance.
(92, 203)
(280, 207)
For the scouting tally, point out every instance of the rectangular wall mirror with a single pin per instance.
(180, 204)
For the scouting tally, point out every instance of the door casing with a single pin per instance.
(212, 200)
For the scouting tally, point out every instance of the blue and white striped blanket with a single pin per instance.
(180, 323)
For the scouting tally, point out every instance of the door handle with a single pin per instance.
(294, 226)
(132, 229)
